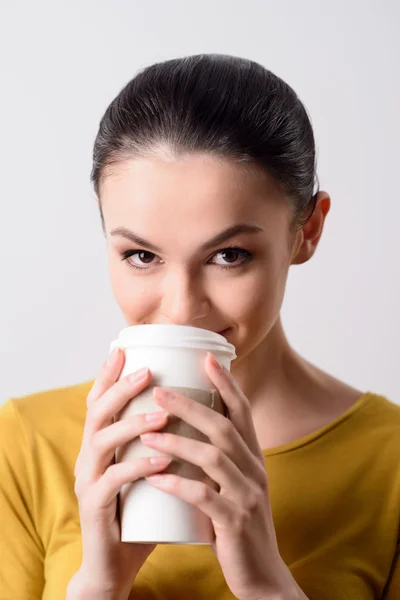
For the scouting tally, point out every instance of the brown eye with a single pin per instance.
(230, 255)
(144, 256)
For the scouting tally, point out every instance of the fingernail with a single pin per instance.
(163, 394)
(138, 375)
(215, 362)
(160, 460)
(112, 357)
(155, 416)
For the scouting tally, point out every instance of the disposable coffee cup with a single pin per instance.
(175, 355)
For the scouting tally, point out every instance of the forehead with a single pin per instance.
(196, 189)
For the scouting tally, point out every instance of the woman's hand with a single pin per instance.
(110, 566)
(245, 544)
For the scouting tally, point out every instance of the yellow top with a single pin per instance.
(335, 497)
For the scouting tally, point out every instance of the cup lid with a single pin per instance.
(173, 336)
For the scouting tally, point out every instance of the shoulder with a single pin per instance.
(383, 411)
(46, 411)
(377, 428)
(377, 417)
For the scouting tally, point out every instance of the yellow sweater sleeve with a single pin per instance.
(21, 550)
(392, 591)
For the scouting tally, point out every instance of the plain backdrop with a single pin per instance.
(61, 65)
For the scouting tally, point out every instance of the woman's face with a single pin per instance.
(178, 276)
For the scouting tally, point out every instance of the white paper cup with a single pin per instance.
(175, 354)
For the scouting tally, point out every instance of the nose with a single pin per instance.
(183, 299)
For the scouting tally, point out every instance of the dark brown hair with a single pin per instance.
(218, 104)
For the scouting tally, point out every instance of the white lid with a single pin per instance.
(176, 336)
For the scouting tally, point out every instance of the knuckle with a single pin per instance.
(225, 427)
(82, 482)
(214, 456)
(111, 475)
(221, 430)
(94, 417)
(130, 426)
(216, 427)
(185, 403)
(261, 479)
(78, 487)
(203, 493)
(251, 503)
(254, 498)
(263, 485)
(222, 427)
(97, 442)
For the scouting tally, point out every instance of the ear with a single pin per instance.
(308, 237)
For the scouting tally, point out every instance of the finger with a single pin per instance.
(223, 512)
(101, 413)
(219, 429)
(237, 403)
(214, 462)
(108, 486)
(106, 441)
(108, 375)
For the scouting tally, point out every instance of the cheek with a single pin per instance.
(131, 292)
(258, 307)
(257, 298)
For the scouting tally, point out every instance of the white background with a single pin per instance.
(61, 65)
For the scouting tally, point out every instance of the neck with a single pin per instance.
(289, 397)
(273, 371)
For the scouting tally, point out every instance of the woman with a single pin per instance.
(204, 171)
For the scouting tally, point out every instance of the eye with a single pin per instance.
(146, 256)
(143, 254)
(228, 252)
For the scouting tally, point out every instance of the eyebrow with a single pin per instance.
(221, 237)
